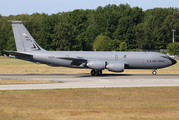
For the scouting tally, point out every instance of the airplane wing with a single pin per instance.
(75, 61)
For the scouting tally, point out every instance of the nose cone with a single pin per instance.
(173, 61)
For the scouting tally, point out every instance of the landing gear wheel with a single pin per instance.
(154, 72)
(93, 72)
(99, 72)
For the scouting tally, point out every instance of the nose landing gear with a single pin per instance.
(154, 72)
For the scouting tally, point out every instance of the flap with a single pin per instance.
(75, 61)
(82, 60)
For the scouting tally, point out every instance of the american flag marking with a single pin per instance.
(24, 34)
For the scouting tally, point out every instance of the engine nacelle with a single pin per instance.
(115, 67)
(96, 64)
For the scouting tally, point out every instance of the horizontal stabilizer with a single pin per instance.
(16, 53)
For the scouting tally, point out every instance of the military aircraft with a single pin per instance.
(29, 50)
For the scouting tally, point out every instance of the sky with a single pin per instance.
(15, 7)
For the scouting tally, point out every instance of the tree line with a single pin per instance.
(109, 28)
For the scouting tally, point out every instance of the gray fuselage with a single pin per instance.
(132, 60)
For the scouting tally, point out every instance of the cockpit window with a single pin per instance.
(166, 57)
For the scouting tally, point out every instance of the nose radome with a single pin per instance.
(174, 62)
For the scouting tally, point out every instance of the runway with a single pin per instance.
(88, 81)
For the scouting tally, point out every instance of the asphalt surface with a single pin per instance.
(88, 81)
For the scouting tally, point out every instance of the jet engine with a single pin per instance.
(115, 67)
(96, 64)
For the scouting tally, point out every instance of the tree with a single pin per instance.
(129, 18)
(47, 30)
(11, 44)
(78, 20)
(6, 35)
(170, 22)
(105, 43)
(62, 37)
(34, 27)
(173, 48)
(102, 43)
(151, 33)
(123, 46)
(1, 37)
(84, 29)
(87, 38)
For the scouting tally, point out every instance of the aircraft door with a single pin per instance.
(116, 57)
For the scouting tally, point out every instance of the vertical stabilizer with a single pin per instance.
(24, 40)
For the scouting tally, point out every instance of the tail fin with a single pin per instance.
(24, 40)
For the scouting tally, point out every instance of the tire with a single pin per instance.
(99, 72)
(154, 72)
(93, 72)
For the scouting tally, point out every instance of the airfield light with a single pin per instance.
(173, 34)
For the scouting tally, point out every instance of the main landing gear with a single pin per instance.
(96, 72)
(154, 72)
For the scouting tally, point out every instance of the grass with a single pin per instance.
(9, 65)
(86, 104)
(18, 66)
(9, 82)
